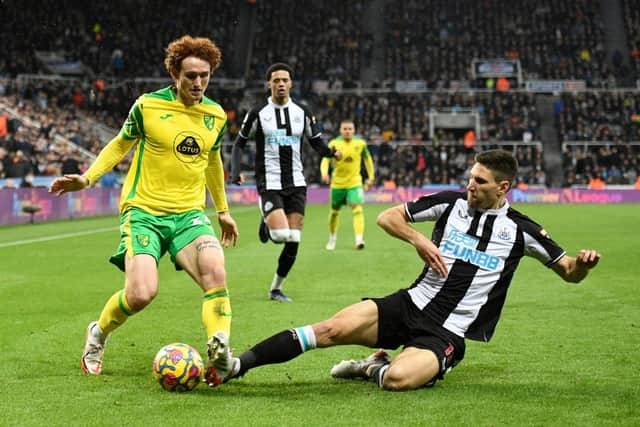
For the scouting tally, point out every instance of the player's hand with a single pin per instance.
(325, 179)
(228, 230)
(587, 258)
(68, 183)
(366, 185)
(432, 256)
(238, 180)
(337, 154)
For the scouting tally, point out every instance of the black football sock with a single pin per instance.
(287, 258)
(278, 348)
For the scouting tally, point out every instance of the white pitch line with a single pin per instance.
(84, 233)
(56, 237)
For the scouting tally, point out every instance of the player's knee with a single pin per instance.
(328, 332)
(279, 235)
(214, 277)
(294, 235)
(399, 378)
(141, 298)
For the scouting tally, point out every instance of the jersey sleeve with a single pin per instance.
(312, 128)
(218, 144)
(432, 206)
(248, 126)
(109, 157)
(133, 127)
(214, 176)
(537, 242)
(368, 162)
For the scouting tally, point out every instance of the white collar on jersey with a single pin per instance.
(270, 100)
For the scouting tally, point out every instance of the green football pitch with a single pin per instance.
(562, 354)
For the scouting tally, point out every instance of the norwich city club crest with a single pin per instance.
(209, 122)
(143, 240)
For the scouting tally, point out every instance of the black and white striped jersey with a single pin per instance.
(482, 249)
(278, 131)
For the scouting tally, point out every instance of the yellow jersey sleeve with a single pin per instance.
(109, 157)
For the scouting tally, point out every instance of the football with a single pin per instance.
(178, 367)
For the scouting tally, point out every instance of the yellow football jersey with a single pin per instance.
(174, 143)
(346, 171)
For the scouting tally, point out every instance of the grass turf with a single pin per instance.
(562, 355)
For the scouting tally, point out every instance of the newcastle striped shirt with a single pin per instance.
(278, 131)
(482, 249)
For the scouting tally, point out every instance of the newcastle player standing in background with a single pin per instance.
(278, 127)
(476, 245)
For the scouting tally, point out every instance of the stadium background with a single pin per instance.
(428, 83)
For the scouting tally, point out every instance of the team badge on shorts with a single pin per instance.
(142, 239)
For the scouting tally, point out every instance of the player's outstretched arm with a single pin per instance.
(575, 269)
(394, 221)
(68, 183)
(109, 156)
(236, 161)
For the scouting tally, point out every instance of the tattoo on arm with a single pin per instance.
(208, 244)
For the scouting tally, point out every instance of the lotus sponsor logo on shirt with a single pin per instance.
(280, 137)
(463, 247)
(187, 147)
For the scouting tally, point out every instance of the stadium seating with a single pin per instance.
(113, 57)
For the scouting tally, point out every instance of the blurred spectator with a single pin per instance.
(9, 183)
(19, 166)
(596, 183)
(70, 164)
(27, 181)
(109, 180)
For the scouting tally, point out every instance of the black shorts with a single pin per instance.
(292, 199)
(401, 323)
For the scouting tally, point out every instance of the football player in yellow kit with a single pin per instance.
(346, 181)
(176, 134)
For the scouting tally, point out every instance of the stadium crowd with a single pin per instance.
(331, 42)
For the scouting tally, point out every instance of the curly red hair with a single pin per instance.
(200, 47)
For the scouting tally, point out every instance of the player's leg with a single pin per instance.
(274, 225)
(358, 225)
(356, 324)
(337, 200)
(196, 249)
(355, 198)
(424, 360)
(141, 286)
(293, 202)
(139, 251)
(412, 368)
(430, 351)
(278, 225)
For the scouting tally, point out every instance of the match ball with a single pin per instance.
(178, 367)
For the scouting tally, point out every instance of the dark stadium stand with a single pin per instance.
(402, 70)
